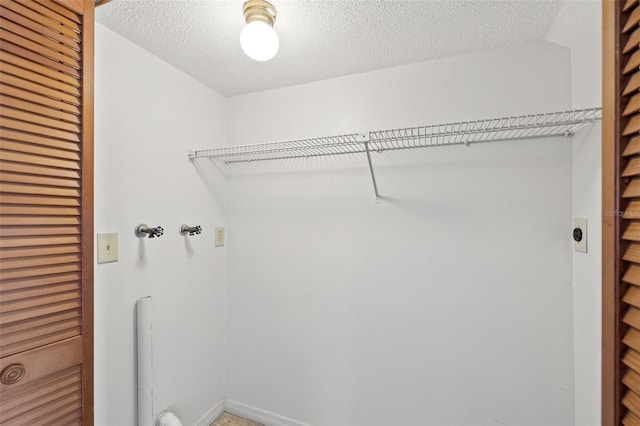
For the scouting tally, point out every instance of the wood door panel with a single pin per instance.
(40, 363)
(46, 212)
(19, 408)
(51, 382)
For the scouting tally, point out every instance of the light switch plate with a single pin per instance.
(579, 231)
(219, 236)
(108, 247)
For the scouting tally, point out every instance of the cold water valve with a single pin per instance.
(190, 230)
(143, 230)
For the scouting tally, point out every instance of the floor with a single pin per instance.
(227, 419)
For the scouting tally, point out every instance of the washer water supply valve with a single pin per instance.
(190, 230)
(143, 230)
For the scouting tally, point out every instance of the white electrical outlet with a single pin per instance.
(219, 236)
(108, 247)
(579, 234)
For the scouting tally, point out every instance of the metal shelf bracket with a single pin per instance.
(364, 138)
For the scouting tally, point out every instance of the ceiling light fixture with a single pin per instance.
(258, 38)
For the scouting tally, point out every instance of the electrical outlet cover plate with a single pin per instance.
(108, 247)
(219, 236)
(581, 223)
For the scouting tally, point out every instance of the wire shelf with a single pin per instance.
(565, 123)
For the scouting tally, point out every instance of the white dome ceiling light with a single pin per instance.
(258, 38)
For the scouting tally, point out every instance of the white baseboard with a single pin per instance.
(211, 415)
(258, 415)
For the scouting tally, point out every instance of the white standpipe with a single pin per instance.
(145, 362)
(167, 418)
(145, 369)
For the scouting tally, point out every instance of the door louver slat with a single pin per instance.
(632, 360)
(632, 318)
(631, 419)
(632, 276)
(633, 147)
(38, 170)
(41, 201)
(37, 98)
(631, 401)
(39, 39)
(60, 10)
(632, 233)
(41, 110)
(19, 61)
(632, 20)
(39, 22)
(633, 42)
(632, 296)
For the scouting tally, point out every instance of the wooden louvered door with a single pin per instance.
(46, 212)
(621, 213)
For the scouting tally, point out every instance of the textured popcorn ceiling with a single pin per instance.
(575, 19)
(322, 39)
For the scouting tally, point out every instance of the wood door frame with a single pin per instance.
(87, 241)
(611, 220)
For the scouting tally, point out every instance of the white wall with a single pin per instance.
(448, 303)
(147, 115)
(586, 63)
(578, 26)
